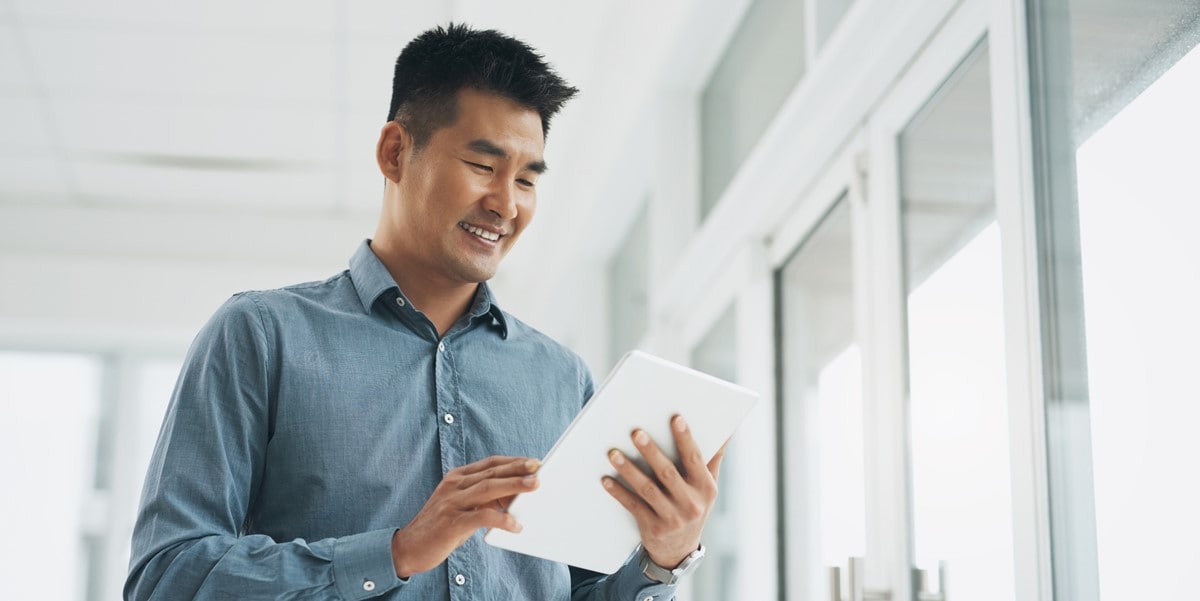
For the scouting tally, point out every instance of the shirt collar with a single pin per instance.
(371, 279)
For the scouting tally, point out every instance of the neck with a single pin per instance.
(441, 300)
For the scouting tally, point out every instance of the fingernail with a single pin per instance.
(518, 527)
(530, 479)
(617, 457)
(641, 437)
(680, 424)
(532, 465)
(607, 482)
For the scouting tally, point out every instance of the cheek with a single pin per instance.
(525, 211)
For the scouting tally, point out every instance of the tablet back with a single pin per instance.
(571, 518)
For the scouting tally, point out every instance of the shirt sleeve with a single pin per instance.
(190, 539)
(626, 584)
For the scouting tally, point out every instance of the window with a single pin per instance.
(961, 496)
(760, 67)
(629, 287)
(51, 411)
(1114, 110)
(821, 411)
(715, 580)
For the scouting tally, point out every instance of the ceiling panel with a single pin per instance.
(270, 15)
(399, 21)
(195, 130)
(24, 178)
(24, 126)
(13, 76)
(167, 66)
(218, 189)
(370, 63)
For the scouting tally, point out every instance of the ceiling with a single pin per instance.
(163, 155)
(262, 106)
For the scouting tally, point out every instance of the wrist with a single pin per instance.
(670, 573)
(399, 561)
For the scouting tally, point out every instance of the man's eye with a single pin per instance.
(525, 182)
(479, 166)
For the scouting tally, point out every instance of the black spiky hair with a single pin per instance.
(435, 65)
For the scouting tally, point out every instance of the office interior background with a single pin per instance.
(951, 242)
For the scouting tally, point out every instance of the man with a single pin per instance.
(351, 438)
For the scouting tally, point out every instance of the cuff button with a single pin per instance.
(368, 585)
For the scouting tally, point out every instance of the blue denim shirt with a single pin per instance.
(310, 422)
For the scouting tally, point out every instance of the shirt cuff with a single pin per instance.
(632, 584)
(362, 565)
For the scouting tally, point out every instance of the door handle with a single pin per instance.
(855, 589)
(922, 591)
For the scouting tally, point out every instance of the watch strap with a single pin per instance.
(663, 575)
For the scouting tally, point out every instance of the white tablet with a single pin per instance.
(571, 518)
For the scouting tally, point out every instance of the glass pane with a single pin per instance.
(716, 354)
(49, 411)
(629, 288)
(828, 14)
(825, 506)
(958, 417)
(1141, 286)
(1117, 206)
(763, 62)
(1116, 89)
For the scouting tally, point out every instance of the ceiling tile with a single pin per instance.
(242, 190)
(27, 177)
(368, 78)
(196, 130)
(270, 15)
(363, 182)
(13, 76)
(294, 70)
(399, 21)
(23, 122)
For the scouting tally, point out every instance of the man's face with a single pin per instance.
(469, 193)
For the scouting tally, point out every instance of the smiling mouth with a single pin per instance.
(479, 232)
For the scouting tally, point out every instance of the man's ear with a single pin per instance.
(392, 150)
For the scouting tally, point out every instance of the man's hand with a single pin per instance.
(670, 508)
(468, 498)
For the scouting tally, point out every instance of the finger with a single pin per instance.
(689, 452)
(487, 463)
(490, 518)
(664, 469)
(485, 492)
(640, 484)
(714, 464)
(634, 505)
(518, 466)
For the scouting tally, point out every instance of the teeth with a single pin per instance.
(482, 233)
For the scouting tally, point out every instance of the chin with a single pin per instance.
(476, 273)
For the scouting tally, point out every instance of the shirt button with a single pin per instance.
(368, 585)
(400, 301)
(648, 599)
(460, 580)
(449, 418)
(441, 347)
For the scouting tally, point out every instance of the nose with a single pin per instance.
(501, 200)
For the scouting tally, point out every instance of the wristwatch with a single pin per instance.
(658, 573)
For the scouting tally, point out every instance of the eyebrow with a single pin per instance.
(490, 148)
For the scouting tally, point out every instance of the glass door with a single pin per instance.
(821, 411)
(954, 325)
(1115, 90)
